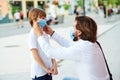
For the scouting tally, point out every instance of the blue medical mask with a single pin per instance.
(72, 33)
(42, 23)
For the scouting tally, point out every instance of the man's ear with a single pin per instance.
(79, 33)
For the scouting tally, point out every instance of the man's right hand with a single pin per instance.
(48, 30)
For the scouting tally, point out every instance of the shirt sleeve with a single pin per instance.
(32, 41)
(70, 53)
(61, 40)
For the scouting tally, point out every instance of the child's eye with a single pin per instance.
(43, 18)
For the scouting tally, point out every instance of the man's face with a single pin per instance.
(77, 32)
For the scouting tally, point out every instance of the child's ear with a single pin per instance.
(38, 18)
(34, 20)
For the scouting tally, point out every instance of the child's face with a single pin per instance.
(42, 22)
(41, 18)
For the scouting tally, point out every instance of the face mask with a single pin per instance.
(72, 33)
(42, 23)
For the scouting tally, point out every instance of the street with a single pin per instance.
(110, 42)
(15, 55)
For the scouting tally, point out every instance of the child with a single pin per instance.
(42, 67)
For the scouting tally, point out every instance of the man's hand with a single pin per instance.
(48, 30)
(37, 29)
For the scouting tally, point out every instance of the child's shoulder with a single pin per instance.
(32, 34)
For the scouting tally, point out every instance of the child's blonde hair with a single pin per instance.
(34, 13)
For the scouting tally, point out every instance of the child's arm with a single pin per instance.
(39, 60)
(54, 68)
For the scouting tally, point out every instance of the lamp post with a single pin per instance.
(84, 13)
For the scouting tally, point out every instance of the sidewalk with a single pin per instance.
(15, 55)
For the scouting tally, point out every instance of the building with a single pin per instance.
(4, 9)
(23, 5)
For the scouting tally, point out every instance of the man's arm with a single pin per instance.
(61, 40)
(70, 53)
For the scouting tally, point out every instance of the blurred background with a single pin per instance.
(9, 7)
(14, 52)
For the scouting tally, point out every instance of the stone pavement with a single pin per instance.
(15, 56)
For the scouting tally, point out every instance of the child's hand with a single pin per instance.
(49, 71)
(37, 29)
(54, 70)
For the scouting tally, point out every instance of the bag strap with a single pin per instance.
(105, 60)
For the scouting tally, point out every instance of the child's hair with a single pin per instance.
(34, 13)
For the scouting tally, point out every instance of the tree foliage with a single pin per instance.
(66, 6)
(112, 2)
(14, 8)
(79, 3)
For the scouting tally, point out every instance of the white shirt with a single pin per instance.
(36, 69)
(61, 11)
(52, 11)
(91, 64)
(17, 15)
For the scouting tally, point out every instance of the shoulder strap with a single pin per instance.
(105, 61)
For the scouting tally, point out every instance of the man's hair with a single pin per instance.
(88, 27)
(34, 13)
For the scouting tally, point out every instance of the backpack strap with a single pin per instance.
(110, 75)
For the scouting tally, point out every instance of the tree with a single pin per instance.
(14, 7)
(66, 6)
(118, 2)
(79, 3)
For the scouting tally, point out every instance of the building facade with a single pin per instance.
(27, 4)
(4, 9)
(23, 5)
